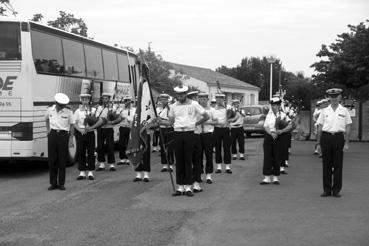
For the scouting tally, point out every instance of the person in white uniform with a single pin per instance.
(60, 129)
(333, 137)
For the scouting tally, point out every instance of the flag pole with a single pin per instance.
(156, 115)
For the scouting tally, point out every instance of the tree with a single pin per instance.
(6, 6)
(160, 72)
(345, 63)
(66, 22)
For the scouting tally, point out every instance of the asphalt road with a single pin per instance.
(234, 210)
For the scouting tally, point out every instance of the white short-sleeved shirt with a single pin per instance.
(206, 127)
(220, 113)
(59, 120)
(80, 116)
(270, 120)
(239, 121)
(334, 121)
(102, 112)
(185, 115)
(127, 117)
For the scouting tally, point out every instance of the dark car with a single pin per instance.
(254, 119)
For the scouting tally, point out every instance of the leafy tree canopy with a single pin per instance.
(345, 63)
(6, 6)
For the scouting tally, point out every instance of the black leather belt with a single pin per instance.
(59, 131)
(333, 133)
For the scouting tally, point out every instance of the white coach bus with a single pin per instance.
(36, 62)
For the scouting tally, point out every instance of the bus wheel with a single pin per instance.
(72, 152)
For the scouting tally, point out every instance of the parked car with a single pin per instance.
(254, 119)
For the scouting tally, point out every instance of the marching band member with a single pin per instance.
(222, 135)
(85, 134)
(126, 114)
(183, 116)
(105, 134)
(144, 168)
(272, 143)
(316, 113)
(196, 156)
(237, 133)
(156, 134)
(206, 138)
(333, 137)
(167, 147)
(59, 124)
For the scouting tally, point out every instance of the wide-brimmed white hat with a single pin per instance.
(61, 98)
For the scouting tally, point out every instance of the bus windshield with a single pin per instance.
(10, 41)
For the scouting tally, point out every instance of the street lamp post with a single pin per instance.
(271, 60)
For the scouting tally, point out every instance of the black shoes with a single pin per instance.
(80, 177)
(336, 194)
(137, 179)
(228, 171)
(325, 194)
(242, 158)
(90, 177)
(265, 183)
(146, 180)
(283, 172)
(163, 170)
(276, 182)
(218, 171)
(189, 193)
(178, 193)
(197, 190)
(113, 169)
(52, 187)
(234, 158)
(209, 181)
(61, 187)
(100, 169)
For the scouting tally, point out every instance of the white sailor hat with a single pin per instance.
(213, 100)
(235, 101)
(61, 98)
(106, 94)
(203, 94)
(164, 95)
(84, 95)
(319, 102)
(192, 93)
(181, 89)
(220, 95)
(127, 98)
(334, 91)
(275, 100)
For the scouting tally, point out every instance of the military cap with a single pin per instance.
(203, 94)
(192, 93)
(220, 95)
(213, 100)
(61, 98)
(127, 99)
(235, 101)
(181, 89)
(164, 95)
(334, 91)
(106, 94)
(275, 100)
(84, 95)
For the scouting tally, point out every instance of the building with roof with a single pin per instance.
(207, 80)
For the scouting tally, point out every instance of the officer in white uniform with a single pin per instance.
(333, 136)
(183, 116)
(60, 129)
(86, 137)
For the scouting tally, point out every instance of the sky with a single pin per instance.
(212, 33)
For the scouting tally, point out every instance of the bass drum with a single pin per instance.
(72, 151)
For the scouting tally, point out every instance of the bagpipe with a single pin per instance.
(91, 118)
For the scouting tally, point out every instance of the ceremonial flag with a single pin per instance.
(144, 115)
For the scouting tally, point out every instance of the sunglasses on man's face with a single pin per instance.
(334, 95)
